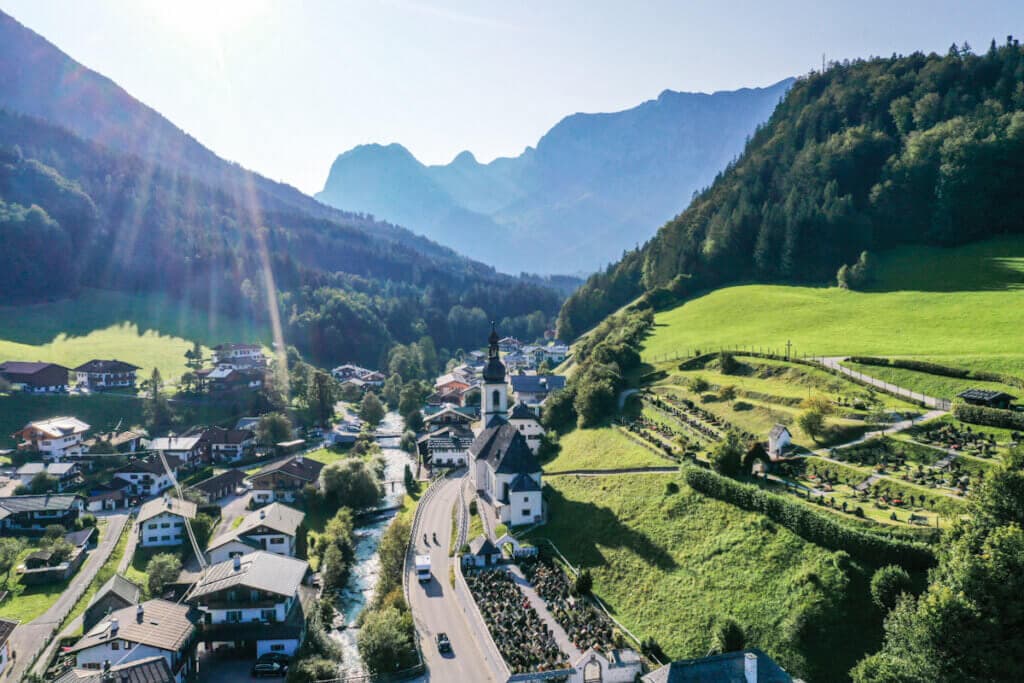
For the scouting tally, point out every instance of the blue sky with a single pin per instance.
(283, 87)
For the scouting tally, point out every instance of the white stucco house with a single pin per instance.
(147, 476)
(161, 522)
(273, 528)
(779, 439)
(56, 438)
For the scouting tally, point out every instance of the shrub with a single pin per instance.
(814, 526)
(671, 488)
(385, 641)
(584, 582)
(990, 417)
(163, 568)
(887, 584)
(727, 364)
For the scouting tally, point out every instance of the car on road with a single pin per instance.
(443, 644)
(270, 669)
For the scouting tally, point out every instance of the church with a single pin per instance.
(504, 465)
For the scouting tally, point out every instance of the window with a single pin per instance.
(151, 526)
(115, 645)
(165, 525)
(127, 644)
(152, 539)
(276, 541)
(268, 615)
(165, 538)
(233, 616)
(526, 512)
(495, 398)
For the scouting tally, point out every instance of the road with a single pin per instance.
(28, 639)
(235, 507)
(434, 606)
(835, 363)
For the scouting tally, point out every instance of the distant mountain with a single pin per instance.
(595, 185)
(99, 190)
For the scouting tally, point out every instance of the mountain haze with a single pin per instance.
(595, 185)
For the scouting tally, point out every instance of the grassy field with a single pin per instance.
(669, 564)
(927, 383)
(148, 330)
(929, 302)
(605, 448)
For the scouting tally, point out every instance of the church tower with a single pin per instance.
(494, 392)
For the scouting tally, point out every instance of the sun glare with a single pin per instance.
(202, 20)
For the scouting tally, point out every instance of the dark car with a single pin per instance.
(443, 644)
(277, 657)
(266, 668)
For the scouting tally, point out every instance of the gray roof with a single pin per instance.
(121, 587)
(481, 545)
(174, 506)
(164, 625)
(259, 570)
(521, 411)
(280, 518)
(150, 465)
(57, 469)
(724, 668)
(106, 366)
(524, 483)
(148, 670)
(537, 383)
(216, 482)
(45, 502)
(80, 537)
(20, 367)
(984, 395)
(777, 431)
(295, 466)
(504, 448)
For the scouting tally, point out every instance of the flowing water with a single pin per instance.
(359, 590)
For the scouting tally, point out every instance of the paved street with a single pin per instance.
(234, 508)
(28, 639)
(835, 363)
(433, 604)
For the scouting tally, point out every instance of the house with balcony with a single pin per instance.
(227, 483)
(227, 445)
(273, 528)
(254, 602)
(64, 473)
(284, 479)
(147, 476)
(35, 377)
(35, 513)
(149, 670)
(155, 628)
(187, 449)
(238, 354)
(98, 375)
(54, 439)
(161, 522)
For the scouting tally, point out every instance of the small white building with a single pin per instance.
(187, 449)
(155, 628)
(55, 439)
(64, 472)
(779, 439)
(273, 528)
(147, 476)
(525, 420)
(254, 600)
(246, 354)
(618, 666)
(161, 522)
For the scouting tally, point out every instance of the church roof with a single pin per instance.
(504, 448)
(521, 411)
(524, 483)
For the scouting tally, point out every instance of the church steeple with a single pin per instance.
(494, 397)
(494, 371)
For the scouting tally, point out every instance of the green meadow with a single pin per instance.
(924, 302)
(148, 330)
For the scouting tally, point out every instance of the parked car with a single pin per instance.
(443, 644)
(278, 657)
(271, 669)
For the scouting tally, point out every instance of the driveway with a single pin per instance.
(434, 606)
(29, 639)
(835, 363)
(235, 507)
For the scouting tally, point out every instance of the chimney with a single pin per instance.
(750, 667)
(114, 627)
(238, 563)
(298, 458)
(140, 614)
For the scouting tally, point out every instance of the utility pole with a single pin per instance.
(789, 345)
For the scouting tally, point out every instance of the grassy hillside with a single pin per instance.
(669, 564)
(148, 330)
(932, 302)
(605, 448)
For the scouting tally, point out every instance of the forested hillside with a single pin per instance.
(870, 154)
(136, 207)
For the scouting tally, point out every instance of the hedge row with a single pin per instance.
(941, 370)
(811, 525)
(990, 417)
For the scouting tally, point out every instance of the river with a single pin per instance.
(359, 590)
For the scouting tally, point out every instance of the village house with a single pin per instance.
(358, 376)
(155, 628)
(97, 375)
(35, 513)
(448, 431)
(149, 670)
(45, 566)
(6, 653)
(449, 449)
(147, 476)
(434, 418)
(506, 472)
(238, 354)
(161, 522)
(509, 344)
(744, 666)
(225, 378)
(779, 439)
(273, 528)
(450, 384)
(284, 479)
(227, 445)
(255, 600)
(116, 594)
(109, 496)
(126, 441)
(55, 439)
(534, 389)
(227, 483)
(65, 473)
(616, 666)
(188, 449)
(525, 420)
(35, 377)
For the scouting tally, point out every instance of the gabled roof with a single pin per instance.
(260, 570)
(220, 435)
(163, 624)
(174, 443)
(524, 483)
(521, 411)
(778, 430)
(150, 465)
(80, 537)
(984, 395)
(277, 517)
(504, 449)
(57, 427)
(481, 545)
(57, 469)
(449, 410)
(237, 347)
(537, 383)
(296, 466)
(41, 503)
(215, 483)
(121, 587)
(106, 366)
(148, 670)
(6, 628)
(174, 506)
(723, 668)
(17, 367)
